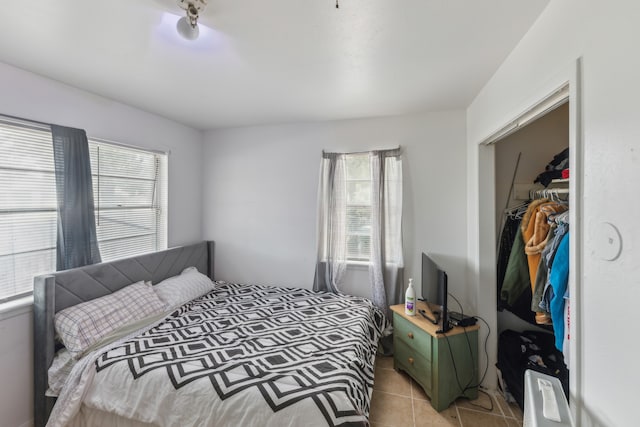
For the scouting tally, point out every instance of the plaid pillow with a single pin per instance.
(84, 324)
(188, 285)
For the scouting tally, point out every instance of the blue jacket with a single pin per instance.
(559, 278)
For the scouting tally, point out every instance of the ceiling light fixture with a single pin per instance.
(187, 26)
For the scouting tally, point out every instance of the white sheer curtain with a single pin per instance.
(345, 213)
(332, 223)
(386, 267)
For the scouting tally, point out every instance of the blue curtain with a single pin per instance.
(77, 243)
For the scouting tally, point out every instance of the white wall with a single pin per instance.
(34, 97)
(260, 195)
(605, 35)
(16, 367)
(38, 98)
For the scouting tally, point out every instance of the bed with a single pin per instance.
(237, 355)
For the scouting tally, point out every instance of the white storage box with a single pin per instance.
(545, 404)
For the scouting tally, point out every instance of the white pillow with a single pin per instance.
(82, 325)
(177, 290)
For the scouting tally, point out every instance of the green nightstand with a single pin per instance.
(426, 356)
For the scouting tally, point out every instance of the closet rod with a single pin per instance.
(548, 193)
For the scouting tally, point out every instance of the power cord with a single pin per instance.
(486, 352)
(486, 340)
(453, 360)
(490, 408)
(486, 369)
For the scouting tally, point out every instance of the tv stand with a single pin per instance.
(423, 353)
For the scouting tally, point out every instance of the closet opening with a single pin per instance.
(532, 225)
(510, 160)
(521, 178)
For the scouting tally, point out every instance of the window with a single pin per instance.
(130, 192)
(360, 220)
(130, 198)
(358, 207)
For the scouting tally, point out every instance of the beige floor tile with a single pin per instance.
(384, 362)
(390, 410)
(417, 392)
(517, 412)
(512, 422)
(426, 416)
(483, 401)
(390, 381)
(470, 418)
(504, 406)
(392, 405)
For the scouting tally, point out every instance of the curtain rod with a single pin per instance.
(364, 152)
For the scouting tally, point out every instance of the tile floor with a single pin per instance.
(399, 402)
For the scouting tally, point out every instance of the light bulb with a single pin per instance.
(186, 30)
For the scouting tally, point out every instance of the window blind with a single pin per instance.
(27, 206)
(130, 197)
(358, 207)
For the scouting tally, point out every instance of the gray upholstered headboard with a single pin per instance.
(57, 291)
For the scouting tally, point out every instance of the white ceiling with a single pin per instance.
(269, 61)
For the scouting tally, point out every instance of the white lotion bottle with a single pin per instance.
(410, 300)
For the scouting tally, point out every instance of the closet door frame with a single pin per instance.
(571, 76)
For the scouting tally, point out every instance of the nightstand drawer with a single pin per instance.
(414, 337)
(414, 363)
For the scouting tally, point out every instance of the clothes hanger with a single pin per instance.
(516, 212)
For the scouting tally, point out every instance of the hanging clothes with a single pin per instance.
(507, 239)
(538, 231)
(513, 271)
(521, 307)
(514, 292)
(516, 279)
(542, 302)
(559, 279)
(557, 231)
(542, 278)
(527, 226)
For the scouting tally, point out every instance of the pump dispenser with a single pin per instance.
(410, 300)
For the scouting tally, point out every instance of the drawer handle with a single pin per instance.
(410, 335)
(411, 361)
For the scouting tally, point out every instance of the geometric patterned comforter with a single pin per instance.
(293, 346)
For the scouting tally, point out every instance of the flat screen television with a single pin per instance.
(435, 290)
